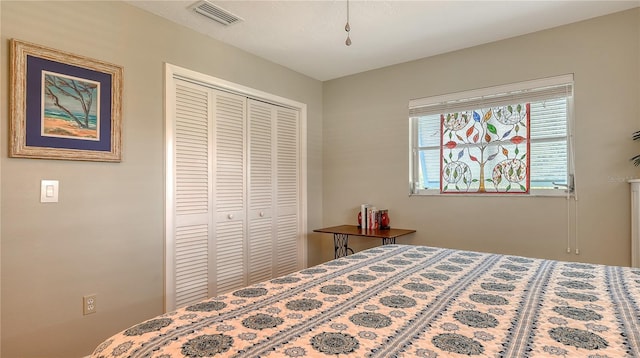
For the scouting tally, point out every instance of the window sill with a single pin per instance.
(552, 193)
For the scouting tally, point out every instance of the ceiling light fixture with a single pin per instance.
(347, 28)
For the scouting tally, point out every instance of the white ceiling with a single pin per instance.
(309, 36)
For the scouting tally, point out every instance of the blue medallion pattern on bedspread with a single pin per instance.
(407, 301)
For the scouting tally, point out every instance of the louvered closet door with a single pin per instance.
(233, 192)
(192, 183)
(287, 191)
(261, 191)
(230, 193)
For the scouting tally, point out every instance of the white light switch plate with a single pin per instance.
(49, 191)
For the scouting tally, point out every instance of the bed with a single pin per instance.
(407, 301)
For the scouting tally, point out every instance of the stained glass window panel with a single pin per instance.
(485, 150)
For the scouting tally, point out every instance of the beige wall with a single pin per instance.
(105, 236)
(366, 144)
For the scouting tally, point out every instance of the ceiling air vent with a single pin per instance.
(216, 13)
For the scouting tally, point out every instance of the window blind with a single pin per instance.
(549, 151)
(529, 91)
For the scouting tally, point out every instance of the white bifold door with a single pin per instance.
(233, 198)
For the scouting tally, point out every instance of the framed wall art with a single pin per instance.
(64, 106)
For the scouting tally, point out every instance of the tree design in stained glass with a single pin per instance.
(485, 150)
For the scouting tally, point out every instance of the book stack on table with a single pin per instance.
(371, 217)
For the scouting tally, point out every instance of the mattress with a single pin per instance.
(407, 301)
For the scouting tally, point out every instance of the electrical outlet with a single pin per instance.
(89, 304)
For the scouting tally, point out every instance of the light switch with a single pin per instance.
(49, 191)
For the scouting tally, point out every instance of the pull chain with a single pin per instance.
(347, 28)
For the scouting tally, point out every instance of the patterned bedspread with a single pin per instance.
(408, 301)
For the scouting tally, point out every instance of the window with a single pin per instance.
(512, 139)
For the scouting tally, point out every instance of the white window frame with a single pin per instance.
(474, 99)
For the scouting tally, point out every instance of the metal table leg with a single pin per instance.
(388, 240)
(341, 245)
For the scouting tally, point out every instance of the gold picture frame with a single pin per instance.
(64, 106)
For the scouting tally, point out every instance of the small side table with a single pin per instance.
(341, 236)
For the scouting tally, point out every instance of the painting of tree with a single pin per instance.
(70, 107)
(63, 105)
